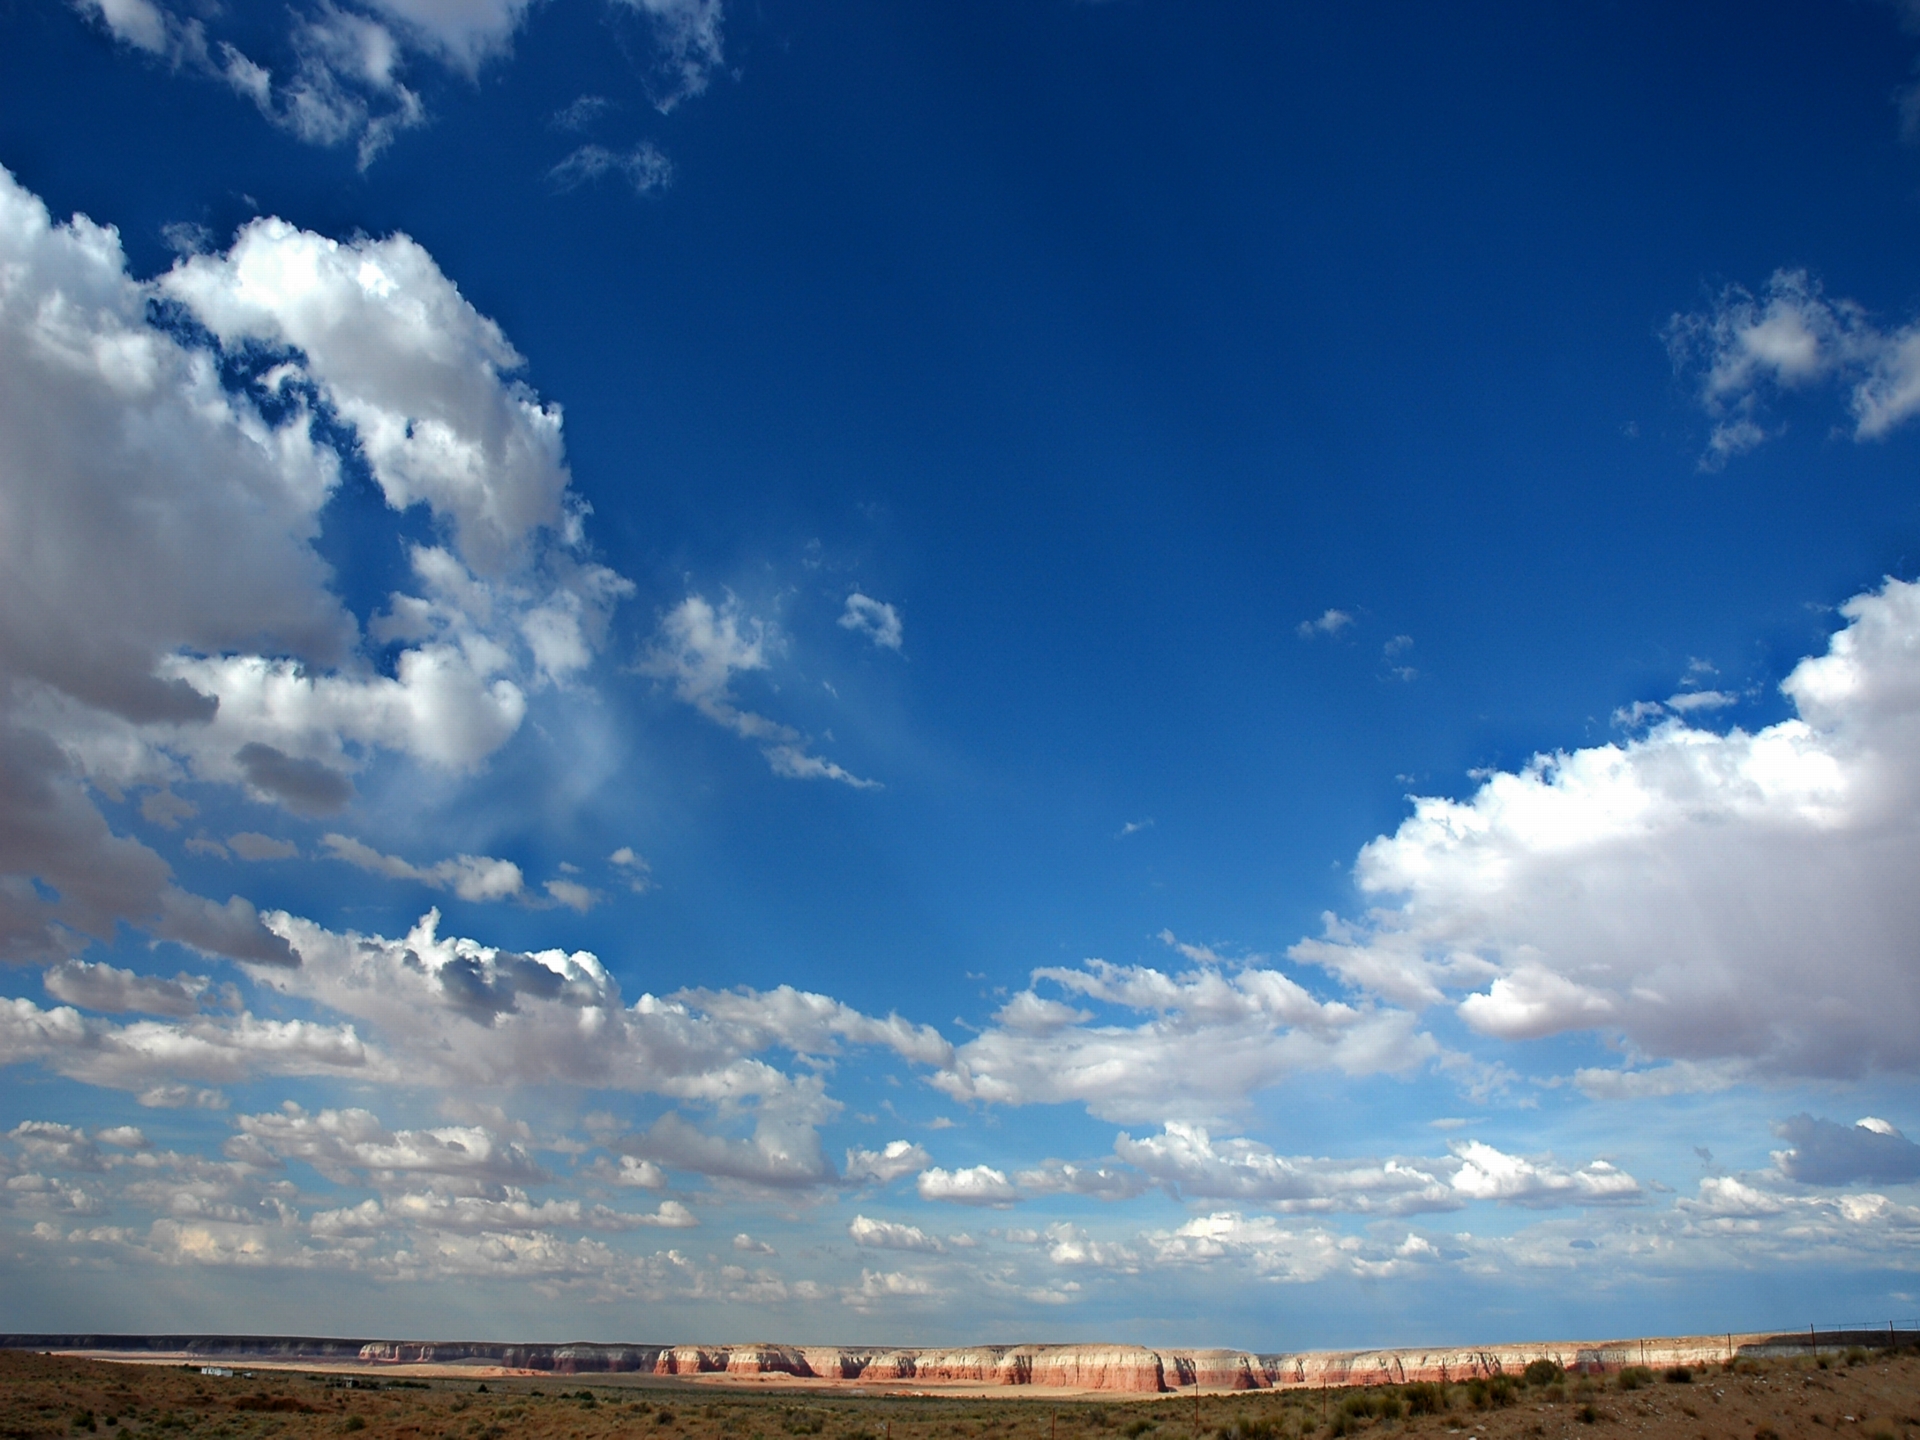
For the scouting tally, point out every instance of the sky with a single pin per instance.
(1013, 670)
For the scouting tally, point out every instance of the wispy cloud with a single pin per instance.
(1743, 352)
(644, 167)
(875, 619)
(699, 648)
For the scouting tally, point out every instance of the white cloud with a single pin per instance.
(976, 1185)
(1489, 1174)
(167, 616)
(1689, 891)
(747, 1245)
(138, 23)
(1260, 1243)
(634, 868)
(645, 167)
(345, 83)
(464, 32)
(1070, 1245)
(781, 1155)
(884, 1166)
(1055, 1177)
(1744, 350)
(1328, 622)
(875, 619)
(572, 894)
(346, 1145)
(1186, 1159)
(140, 1054)
(1212, 1040)
(699, 649)
(471, 877)
(890, 1235)
(688, 35)
(876, 1286)
(475, 1214)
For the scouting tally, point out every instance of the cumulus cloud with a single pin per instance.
(1688, 891)
(1213, 1038)
(697, 651)
(1823, 1152)
(142, 1054)
(1191, 1163)
(976, 1185)
(780, 1155)
(348, 1145)
(878, 1286)
(884, 1166)
(875, 619)
(1102, 1182)
(166, 616)
(891, 1235)
(114, 991)
(1743, 351)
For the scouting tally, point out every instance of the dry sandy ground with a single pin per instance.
(1878, 1395)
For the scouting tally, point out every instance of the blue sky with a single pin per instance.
(1221, 674)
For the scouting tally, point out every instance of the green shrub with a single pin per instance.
(1679, 1375)
(1542, 1372)
(1634, 1376)
(1424, 1399)
(1588, 1415)
(1856, 1355)
(1136, 1428)
(1388, 1407)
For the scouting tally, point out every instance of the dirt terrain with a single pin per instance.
(1853, 1394)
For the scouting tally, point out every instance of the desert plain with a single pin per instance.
(1869, 1393)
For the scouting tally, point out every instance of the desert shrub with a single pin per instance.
(663, 1416)
(1342, 1424)
(1542, 1372)
(1136, 1428)
(1588, 1415)
(1766, 1432)
(1679, 1375)
(1856, 1355)
(1634, 1376)
(1424, 1399)
(1244, 1428)
(1555, 1391)
(85, 1421)
(1358, 1405)
(1389, 1407)
(1477, 1393)
(354, 1422)
(1098, 1416)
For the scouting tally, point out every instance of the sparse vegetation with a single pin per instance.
(46, 1398)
